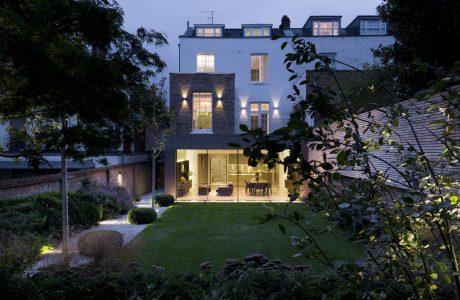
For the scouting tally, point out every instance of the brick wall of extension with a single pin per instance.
(222, 87)
(135, 178)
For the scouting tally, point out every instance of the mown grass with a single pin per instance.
(188, 234)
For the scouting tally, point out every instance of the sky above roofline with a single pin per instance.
(171, 16)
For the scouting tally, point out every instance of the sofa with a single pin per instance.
(204, 189)
(225, 190)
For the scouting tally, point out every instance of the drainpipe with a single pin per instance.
(178, 45)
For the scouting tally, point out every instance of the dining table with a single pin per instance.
(255, 185)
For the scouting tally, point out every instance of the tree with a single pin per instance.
(150, 115)
(65, 68)
(425, 32)
(410, 237)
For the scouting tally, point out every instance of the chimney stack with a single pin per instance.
(285, 23)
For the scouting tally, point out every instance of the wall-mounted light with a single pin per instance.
(219, 91)
(243, 101)
(120, 179)
(219, 103)
(184, 107)
(276, 102)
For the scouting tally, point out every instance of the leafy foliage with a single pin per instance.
(410, 235)
(68, 81)
(141, 215)
(164, 200)
(425, 34)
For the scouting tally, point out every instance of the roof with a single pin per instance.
(301, 32)
(360, 17)
(256, 25)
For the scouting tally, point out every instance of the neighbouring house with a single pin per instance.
(233, 76)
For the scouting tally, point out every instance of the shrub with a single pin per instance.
(114, 200)
(141, 215)
(164, 200)
(42, 213)
(100, 244)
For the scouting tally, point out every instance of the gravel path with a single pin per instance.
(129, 231)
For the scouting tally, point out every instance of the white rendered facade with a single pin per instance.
(233, 55)
(244, 66)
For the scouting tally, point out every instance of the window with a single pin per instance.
(259, 116)
(333, 57)
(202, 112)
(259, 67)
(373, 27)
(209, 31)
(257, 31)
(205, 63)
(325, 28)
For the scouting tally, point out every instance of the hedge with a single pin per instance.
(164, 200)
(141, 215)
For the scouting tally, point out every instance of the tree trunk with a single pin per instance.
(153, 177)
(65, 208)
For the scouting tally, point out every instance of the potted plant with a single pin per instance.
(187, 174)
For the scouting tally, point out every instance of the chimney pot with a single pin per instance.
(285, 23)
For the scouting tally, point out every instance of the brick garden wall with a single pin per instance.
(135, 178)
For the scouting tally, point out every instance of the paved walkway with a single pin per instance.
(120, 224)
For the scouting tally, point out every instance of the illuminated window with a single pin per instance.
(205, 63)
(325, 28)
(257, 31)
(209, 31)
(202, 112)
(373, 27)
(259, 116)
(259, 63)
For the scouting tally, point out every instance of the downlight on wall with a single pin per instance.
(120, 179)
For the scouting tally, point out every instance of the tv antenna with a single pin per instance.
(211, 18)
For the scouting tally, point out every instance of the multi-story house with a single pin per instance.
(229, 77)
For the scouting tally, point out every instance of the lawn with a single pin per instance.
(188, 234)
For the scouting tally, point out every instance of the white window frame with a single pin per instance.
(262, 75)
(208, 60)
(262, 31)
(204, 109)
(320, 28)
(365, 27)
(256, 109)
(208, 31)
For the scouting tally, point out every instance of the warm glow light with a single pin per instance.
(243, 101)
(184, 106)
(243, 116)
(46, 249)
(219, 91)
(120, 179)
(184, 91)
(219, 104)
(276, 102)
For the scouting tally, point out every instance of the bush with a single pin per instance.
(141, 216)
(100, 244)
(114, 200)
(42, 213)
(164, 200)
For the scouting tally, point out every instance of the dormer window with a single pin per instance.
(208, 31)
(373, 27)
(257, 31)
(321, 28)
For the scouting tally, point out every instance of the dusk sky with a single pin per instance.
(171, 16)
